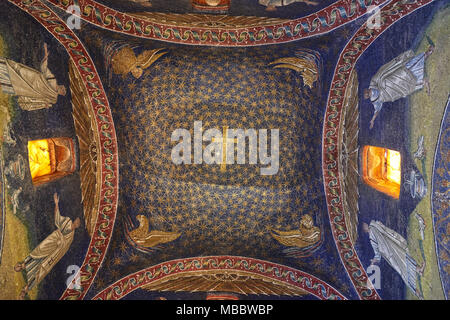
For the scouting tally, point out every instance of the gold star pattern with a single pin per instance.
(217, 212)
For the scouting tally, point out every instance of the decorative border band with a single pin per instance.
(440, 200)
(323, 21)
(291, 276)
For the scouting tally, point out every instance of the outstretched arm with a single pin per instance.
(45, 70)
(45, 59)
(373, 118)
(58, 218)
(44, 65)
(377, 257)
(45, 51)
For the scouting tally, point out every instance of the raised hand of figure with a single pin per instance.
(56, 198)
(45, 51)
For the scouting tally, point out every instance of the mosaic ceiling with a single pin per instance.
(209, 148)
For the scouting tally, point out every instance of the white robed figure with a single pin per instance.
(397, 79)
(35, 89)
(273, 4)
(393, 248)
(47, 254)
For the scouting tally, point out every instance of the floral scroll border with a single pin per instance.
(325, 20)
(285, 274)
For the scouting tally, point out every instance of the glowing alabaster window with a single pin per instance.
(393, 162)
(39, 158)
(382, 169)
(50, 159)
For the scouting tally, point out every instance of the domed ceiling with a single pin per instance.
(211, 148)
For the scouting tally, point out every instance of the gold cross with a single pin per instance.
(224, 141)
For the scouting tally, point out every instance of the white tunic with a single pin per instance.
(44, 257)
(35, 89)
(392, 247)
(397, 79)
